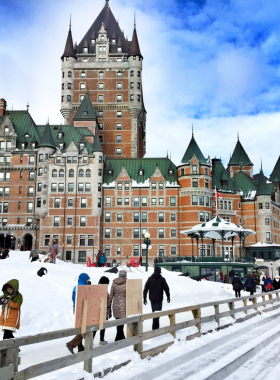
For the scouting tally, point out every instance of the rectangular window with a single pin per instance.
(80, 187)
(119, 86)
(70, 202)
(267, 235)
(90, 240)
(194, 200)
(61, 187)
(119, 186)
(173, 250)
(195, 182)
(267, 205)
(99, 202)
(31, 176)
(107, 233)
(161, 217)
(47, 240)
(144, 217)
(144, 230)
(207, 216)
(201, 216)
(108, 201)
(19, 205)
(87, 187)
(172, 201)
(260, 206)
(119, 233)
(173, 217)
(161, 250)
(83, 202)
(161, 233)
(5, 207)
(118, 151)
(194, 169)
(136, 201)
(136, 250)
(160, 201)
(56, 221)
(29, 207)
(70, 186)
(107, 217)
(206, 201)
(100, 98)
(154, 201)
(82, 257)
(144, 201)
(126, 201)
(267, 221)
(173, 233)
(119, 201)
(68, 256)
(100, 86)
(69, 221)
(68, 239)
(56, 202)
(136, 217)
(119, 126)
(136, 233)
(119, 217)
(119, 114)
(201, 200)
(82, 221)
(118, 138)
(107, 250)
(119, 98)
(82, 240)
(207, 183)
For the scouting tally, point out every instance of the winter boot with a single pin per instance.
(103, 342)
(81, 347)
(70, 348)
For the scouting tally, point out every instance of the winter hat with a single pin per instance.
(157, 270)
(104, 280)
(122, 273)
(9, 286)
(236, 274)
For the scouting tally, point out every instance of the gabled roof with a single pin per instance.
(69, 50)
(192, 149)
(239, 155)
(107, 18)
(47, 140)
(275, 175)
(243, 182)
(85, 110)
(263, 187)
(134, 46)
(219, 174)
(132, 167)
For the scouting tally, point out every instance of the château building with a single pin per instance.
(87, 183)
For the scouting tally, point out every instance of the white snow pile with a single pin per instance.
(47, 306)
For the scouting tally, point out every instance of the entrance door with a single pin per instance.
(215, 273)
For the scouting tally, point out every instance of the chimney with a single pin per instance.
(3, 106)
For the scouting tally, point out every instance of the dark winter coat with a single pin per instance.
(103, 260)
(5, 253)
(250, 283)
(156, 261)
(98, 257)
(118, 297)
(231, 273)
(237, 283)
(276, 284)
(83, 280)
(42, 271)
(156, 284)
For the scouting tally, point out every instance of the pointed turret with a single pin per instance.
(275, 175)
(239, 156)
(263, 187)
(96, 147)
(85, 110)
(192, 149)
(47, 140)
(69, 50)
(134, 46)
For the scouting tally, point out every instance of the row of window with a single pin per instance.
(57, 202)
(69, 221)
(119, 86)
(4, 207)
(136, 217)
(4, 221)
(4, 191)
(225, 205)
(71, 173)
(195, 183)
(5, 160)
(144, 201)
(136, 250)
(136, 233)
(267, 206)
(100, 74)
(81, 187)
(201, 200)
(100, 99)
(5, 145)
(204, 216)
(195, 170)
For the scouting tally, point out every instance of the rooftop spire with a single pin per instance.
(69, 50)
(106, 3)
(192, 131)
(237, 136)
(134, 46)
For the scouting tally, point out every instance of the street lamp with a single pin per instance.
(147, 242)
(271, 270)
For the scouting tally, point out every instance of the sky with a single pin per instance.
(211, 64)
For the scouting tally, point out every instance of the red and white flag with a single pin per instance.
(218, 195)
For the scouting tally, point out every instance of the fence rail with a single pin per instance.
(9, 348)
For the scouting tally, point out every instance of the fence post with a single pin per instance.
(245, 304)
(88, 346)
(255, 303)
(197, 314)
(137, 329)
(172, 322)
(9, 356)
(217, 319)
(231, 308)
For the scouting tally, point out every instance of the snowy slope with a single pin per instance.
(47, 306)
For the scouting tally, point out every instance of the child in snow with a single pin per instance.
(11, 302)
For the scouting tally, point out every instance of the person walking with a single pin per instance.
(84, 279)
(10, 315)
(221, 276)
(34, 256)
(104, 281)
(250, 284)
(155, 261)
(268, 284)
(155, 285)
(103, 260)
(54, 251)
(118, 298)
(236, 285)
(98, 257)
(231, 275)
(140, 261)
(276, 283)
(262, 279)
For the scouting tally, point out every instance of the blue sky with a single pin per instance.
(214, 64)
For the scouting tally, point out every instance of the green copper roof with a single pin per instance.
(96, 146)
(85, 110)
(192, 149)
(243, 182)
(275, 175)
(132, 165)
(47, 140)
(219, 174)
(239, 155)
(263, 187)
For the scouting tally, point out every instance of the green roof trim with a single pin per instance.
(243, 182)
(85, 110)
(192, 149)
(47, 140)
(263, 186)
(239, 155)
(220, 174)
(132, 167)
(275, 175)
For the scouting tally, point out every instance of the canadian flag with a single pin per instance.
(218, 195)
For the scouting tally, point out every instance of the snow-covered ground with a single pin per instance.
(47, 306)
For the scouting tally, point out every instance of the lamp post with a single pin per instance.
(147, 242)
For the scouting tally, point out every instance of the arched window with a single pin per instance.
(88, 173)
(54, 173)
(81, 173)
(71, 173)
(101, 74)
(132, 73)
(69, 74)
(83, 74)
(61, 173)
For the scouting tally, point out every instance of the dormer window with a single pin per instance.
(22, 145)
(26, 135)
(85, 50)
(194, 169)
(92, 41)
(82, 145)
(171, 171)
(33, 145)
(66, 58)
(119, 49)
(113, 41)
(59, 135)
(140, 172)
(110, 172)
(85, 113)
(60, 145)
(6, 129)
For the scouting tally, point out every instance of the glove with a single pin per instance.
(5, 301)
(145, 302)
(168, 299)
(1, 300)
(109, 312)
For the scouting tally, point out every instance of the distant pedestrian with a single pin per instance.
(5, 254)
(268, 284)
(231, 275)
(140, 261)
(221, 276)
(34, 256)
(156, 261)
(156, 285)
(118, 298)
(237, 285)
(98, 257)
(276, 283)
(54, 251)
(250, 284)
(262, 280)
(103, 260)
(104, 281)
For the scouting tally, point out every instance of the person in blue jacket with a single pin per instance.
(103, 260)
(84, 279)
(250, 284)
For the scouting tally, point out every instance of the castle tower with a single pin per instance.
(108, 67)
(67, 87)
(263, 196)
(240, 161)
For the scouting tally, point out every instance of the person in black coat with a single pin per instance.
(156, 261)
(237, 285)
(5, 254)
(250, 284)
(231, 275)
(276, 283)
(156, 284)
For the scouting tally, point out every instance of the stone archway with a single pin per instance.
(7, 240)
(27, 242)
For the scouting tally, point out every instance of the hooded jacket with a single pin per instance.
(250, 283)
(83, 280)
(103, 260)
(156, 284)
(236, 283)
(10, 315)
(118, 297)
